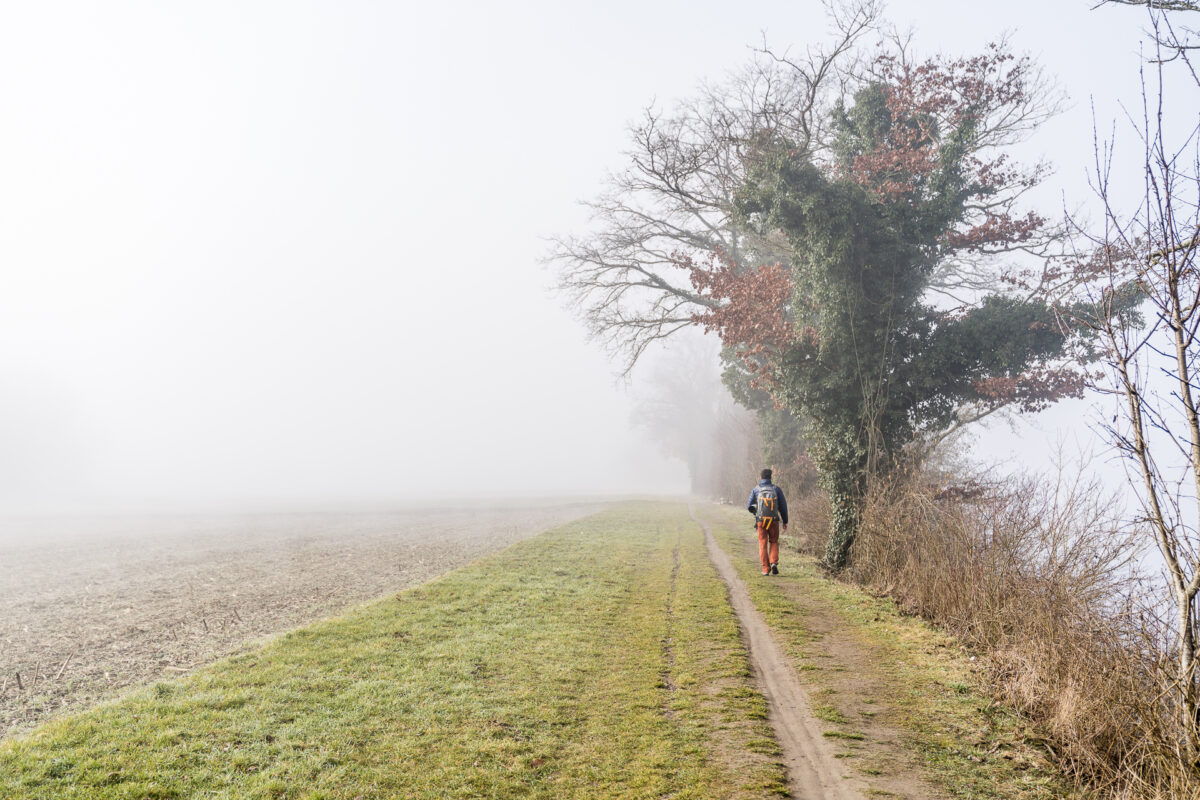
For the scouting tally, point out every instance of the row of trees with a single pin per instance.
(844, 222)
(851, 222)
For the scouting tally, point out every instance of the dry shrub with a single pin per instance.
(810, 517)
(1039, 577)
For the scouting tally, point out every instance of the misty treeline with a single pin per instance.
(685, 405)
(849, 220)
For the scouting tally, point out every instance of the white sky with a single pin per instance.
(287, 253)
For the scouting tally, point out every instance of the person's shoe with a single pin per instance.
(774, 569)
(766, 573)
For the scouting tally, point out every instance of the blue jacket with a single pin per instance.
(752, 503)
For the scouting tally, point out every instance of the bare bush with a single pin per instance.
(811, 515)
(1039, 578)
(1144, 256)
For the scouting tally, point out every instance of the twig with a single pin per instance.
(20, 686)
(63, 668)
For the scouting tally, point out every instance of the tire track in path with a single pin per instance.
(813, 772)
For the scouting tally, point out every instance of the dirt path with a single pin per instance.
(813, 772)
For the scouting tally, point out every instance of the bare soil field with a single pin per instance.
(91, 606)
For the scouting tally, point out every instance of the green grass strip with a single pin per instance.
(598, 659)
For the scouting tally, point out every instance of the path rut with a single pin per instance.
(813, 772)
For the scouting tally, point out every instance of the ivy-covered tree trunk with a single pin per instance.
(844, 508)
(841, 460)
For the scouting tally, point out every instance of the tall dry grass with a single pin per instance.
(1040, 579)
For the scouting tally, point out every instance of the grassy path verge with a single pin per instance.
(600, 659)
(901, 699)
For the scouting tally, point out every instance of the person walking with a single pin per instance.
(769, 507)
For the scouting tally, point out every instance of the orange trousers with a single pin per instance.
(768, 543)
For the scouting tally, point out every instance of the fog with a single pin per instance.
(288, 255)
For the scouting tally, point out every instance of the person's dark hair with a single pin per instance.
(765, 475)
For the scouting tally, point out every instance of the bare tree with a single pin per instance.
(1147, 256)
(1158, 5)
(676, 194)
(1172, 39)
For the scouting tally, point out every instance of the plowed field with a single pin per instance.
(90, 606)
